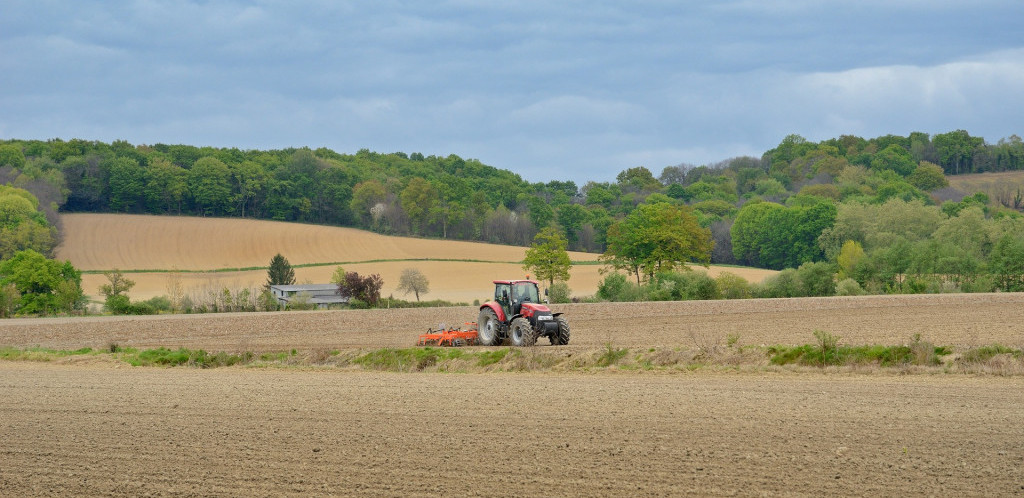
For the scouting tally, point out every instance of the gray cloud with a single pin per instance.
(577, 90)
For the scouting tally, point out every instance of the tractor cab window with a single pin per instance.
(503, 296)
(526, 292)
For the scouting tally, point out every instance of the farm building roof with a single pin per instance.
(307, 287)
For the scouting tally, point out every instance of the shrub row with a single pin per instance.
(810, 279)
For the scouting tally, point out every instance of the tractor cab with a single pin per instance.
(511, 294)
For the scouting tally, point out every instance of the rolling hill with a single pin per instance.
(213, 253)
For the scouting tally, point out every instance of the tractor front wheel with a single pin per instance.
(521, 333)
(561, 337)
(487, 328)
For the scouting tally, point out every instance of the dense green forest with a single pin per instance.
(800, 202)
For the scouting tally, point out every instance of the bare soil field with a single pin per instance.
(946, 319)
(98, 430)
(137, 242)
(96, 426)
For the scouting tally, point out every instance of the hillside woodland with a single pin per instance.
(876, 215)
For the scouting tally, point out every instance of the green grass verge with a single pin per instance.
(40, 354)
(486, 358)
(418, 359)
(408, 359)
(611, 355)
(197, 358)
(985, 353)
(885, 356)
(314, 265)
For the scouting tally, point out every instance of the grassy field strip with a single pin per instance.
(915, 357)
(334, 263)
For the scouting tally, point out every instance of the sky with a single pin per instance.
(552, 90)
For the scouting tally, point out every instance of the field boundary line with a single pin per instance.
(332, 263)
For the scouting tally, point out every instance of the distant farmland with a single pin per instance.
(1002, 185)
(214, 253)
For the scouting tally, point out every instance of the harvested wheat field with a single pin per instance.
(99, 242)
(92, 425)
(1002, 185)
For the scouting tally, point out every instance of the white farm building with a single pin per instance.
(321, 295)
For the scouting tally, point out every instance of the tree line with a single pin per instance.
(456, 198)
(794, 205)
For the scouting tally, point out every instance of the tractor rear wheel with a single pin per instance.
(487, 328)
(561, 337)
(521, 333)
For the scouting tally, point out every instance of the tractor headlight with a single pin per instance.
(543, 318)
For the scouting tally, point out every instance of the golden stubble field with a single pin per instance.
(1002, 184)
(92, 427)
(137, 242)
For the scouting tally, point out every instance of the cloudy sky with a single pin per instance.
(551, 89)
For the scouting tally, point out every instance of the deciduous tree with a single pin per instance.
(418, 200)
(414, 281)
(366, 289)
(548, 258)
(658, 237)
(37, 279)
(209, 181)
(850, 254)
(928, 176)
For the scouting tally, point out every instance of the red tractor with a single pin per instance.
(517, 314)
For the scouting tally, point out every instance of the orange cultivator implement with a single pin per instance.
(445, 336)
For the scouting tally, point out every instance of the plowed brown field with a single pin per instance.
(135, 242)
(946, 319)
(89, 426)
(80, 430)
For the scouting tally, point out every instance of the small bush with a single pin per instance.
(986, 353)
(849, 287)
(559, 293)
(696, 285)
(267, 302)
(611, 355)
(732, 286)
(681, 286)
(816, 279)
(982, 283)
(617, 287)
(783, 284)
(158, 304)
(924, 352)
(358, 304)
(119, 304)
(827, 343)
(301, 302)
(186, 304)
